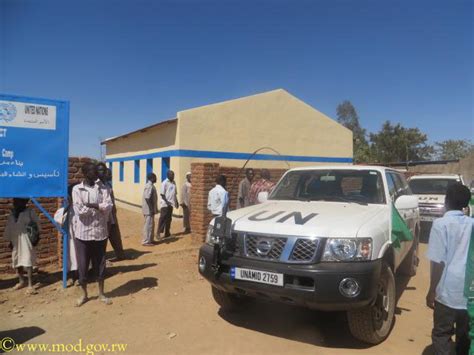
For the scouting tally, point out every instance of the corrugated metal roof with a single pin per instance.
(162, 123)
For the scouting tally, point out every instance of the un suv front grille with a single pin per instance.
(285, 249)
(264, 247)
(304, 249)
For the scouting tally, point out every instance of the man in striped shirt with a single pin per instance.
(262, 185)
(113, 228)
(92, 206)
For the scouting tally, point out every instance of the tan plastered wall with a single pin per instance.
(275, 119)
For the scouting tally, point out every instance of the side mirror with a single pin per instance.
(262, 197)
(406, 202)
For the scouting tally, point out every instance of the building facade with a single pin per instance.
(286, 132)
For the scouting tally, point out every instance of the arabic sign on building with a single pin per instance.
(33, 147)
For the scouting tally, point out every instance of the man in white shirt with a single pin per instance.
(218, 198)
(168, 201)
(186, 203)
(149, 209)
(92, 207)
(447, 249)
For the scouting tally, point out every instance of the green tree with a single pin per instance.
(452, 149)
(395, 143)
(348, 117)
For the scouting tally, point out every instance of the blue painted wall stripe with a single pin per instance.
(231, 155)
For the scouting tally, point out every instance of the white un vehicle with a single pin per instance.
(322, 240)
(431, 190)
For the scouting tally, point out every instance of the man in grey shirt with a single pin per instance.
(149, 209)
(244, 189)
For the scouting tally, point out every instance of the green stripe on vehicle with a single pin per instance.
(400, 230)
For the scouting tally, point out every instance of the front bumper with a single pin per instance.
(313, 286)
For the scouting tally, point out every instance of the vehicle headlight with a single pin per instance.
(347, 249)
(210, 239)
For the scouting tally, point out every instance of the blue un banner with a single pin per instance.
(34, 136)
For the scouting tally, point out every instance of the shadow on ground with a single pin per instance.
(121, 269)
(134, 286)
(401, 284)
(43, 279)
(168, 240)
(428, 350)
(327, 329)
(19, 336)
(131, 254)
(40, 279)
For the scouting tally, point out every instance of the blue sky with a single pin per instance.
(128, 64)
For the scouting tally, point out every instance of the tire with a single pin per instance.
(409, 265)
(373, 324)
(228, 301)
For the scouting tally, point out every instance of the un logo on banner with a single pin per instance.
(7, 112)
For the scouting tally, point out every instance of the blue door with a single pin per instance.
(165, 166)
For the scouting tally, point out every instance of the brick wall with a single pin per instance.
(203, 180)
(49, 248)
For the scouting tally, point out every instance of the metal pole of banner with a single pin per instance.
(65, 238)
(65, 245)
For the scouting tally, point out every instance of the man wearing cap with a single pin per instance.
(186, 203)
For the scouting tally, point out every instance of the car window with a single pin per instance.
(398, 185)
(403, 187)
(431, 186)
(392, 190)
(340, 185)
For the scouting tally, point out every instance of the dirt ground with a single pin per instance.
(161, 305)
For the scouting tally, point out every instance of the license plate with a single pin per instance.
(427, 218)
(264, 277)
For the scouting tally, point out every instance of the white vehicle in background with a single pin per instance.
(324, 239)
(431, 190)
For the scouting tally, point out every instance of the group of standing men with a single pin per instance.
(249, 189)
(218, 199)
(168, 201)
(90, 218)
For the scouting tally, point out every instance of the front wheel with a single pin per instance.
(372, 324)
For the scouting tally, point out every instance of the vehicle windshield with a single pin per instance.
(359, 186)
(430, 186)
